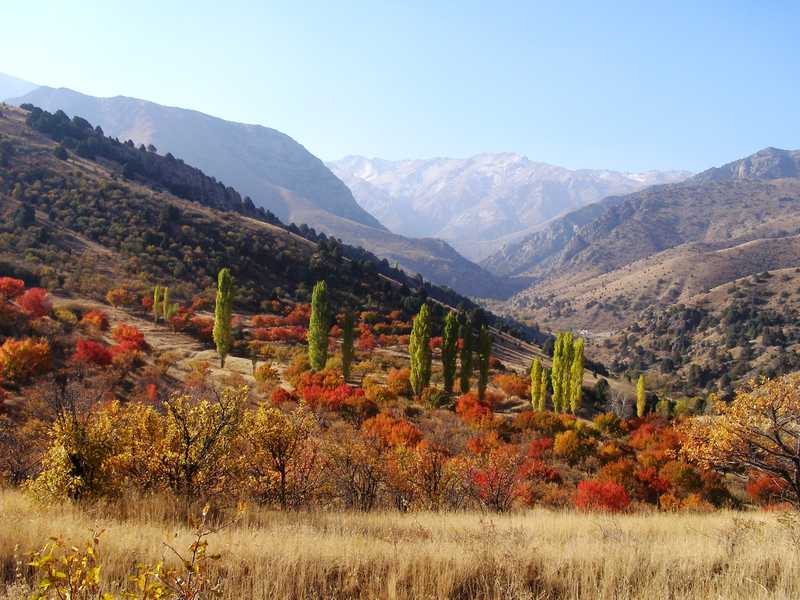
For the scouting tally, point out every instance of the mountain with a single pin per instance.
(11, 87)
(83, 212)
(478, 203)
(612, 268)
(275, 171)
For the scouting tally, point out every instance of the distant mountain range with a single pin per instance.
(660, 245)
(275, 171)
(479, 203)
(11, 87)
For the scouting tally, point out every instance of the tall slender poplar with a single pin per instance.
(449, 350)
(576, 376)
(318, 327)
(347, 344)
(466, 356)
(536, 381)
(223, 311)
(419, 349)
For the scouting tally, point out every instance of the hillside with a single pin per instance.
(276, 172)
(608, 267)
(479, 203)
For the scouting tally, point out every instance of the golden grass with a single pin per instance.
(535, 554)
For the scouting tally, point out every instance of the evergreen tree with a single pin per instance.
(576, 376)
(223, 312)
(318, 327)
(641, 397)
(347, 344)
(449, 350)
(543, 389)
(156, 303)
(466, 355)
(536, 381)
(484, 353)
(420, 351)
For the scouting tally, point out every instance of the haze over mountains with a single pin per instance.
(278, 174)
(479, 203)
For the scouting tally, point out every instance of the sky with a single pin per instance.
(618, 85)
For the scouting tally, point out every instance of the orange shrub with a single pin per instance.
(10, 287)
(22, 359)
(513, 384)
(120, 297)
(572, 446)
(765, 490)
(366, 342)
(392, 432)
(472, 410)
(545, 422)
(398, 381)
(96, 318)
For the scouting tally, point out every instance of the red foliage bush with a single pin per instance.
(319, 397)
(435, 342)
(91, 352)
(203, 327)
(10, 287)
(472, 410)
(280, 395)
(398, 381)
(366, 342)
(260, 321)
(765, 490)
(539, 447)
(35, 303)
(601, 495)
(290, 334)
(299, 316)
(130, 335)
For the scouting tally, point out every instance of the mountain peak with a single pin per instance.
(767, 163)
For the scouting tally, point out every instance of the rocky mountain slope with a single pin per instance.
(276, 172)
(480, 202)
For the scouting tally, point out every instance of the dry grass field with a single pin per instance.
(535, 554)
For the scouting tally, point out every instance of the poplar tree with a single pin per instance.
(484, 353)
(543, 389)
(156, 302)
(536, 382)
(466, 355)
(318, 327)
(640, 397)
(449, 350)
(347, 344)
(558, 351)
(223, 311)
(576, 376)
(419, 350)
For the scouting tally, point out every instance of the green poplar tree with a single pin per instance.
(641, 397)
(484, 353)
(555, 374)
(223, 311)
(156, 303)
(536, 382)
(347, 344)
(449, 350)
(420, 351)
(318, 327)
(543, 389)
(576, 376)
(466, 356)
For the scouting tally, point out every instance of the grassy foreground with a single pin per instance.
(536, 554)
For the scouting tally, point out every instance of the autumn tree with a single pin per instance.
(466, 355)
(536, 382)
(347, 344)
(281, 447)
(318, 327)
(758, 431)
(420, 351)
(35, 303)
(198, 434)
(562, 361)
(543, 389)
(576, 376)
(641, 397)
(449, 350)
(484, 354)
(222, 314)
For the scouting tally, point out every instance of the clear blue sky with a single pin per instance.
(598, 84)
